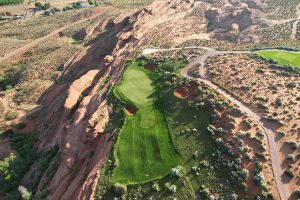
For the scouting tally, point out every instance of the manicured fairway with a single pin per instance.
(144, 149)
(282, 57)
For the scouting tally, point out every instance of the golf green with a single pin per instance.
(282, 57)
(144, 150)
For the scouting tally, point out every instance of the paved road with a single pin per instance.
(26, 47)
(270, 135)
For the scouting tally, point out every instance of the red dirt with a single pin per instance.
(131, 110)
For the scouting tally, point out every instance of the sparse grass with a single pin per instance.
(282, 57)
(17, 33)
(144, 149)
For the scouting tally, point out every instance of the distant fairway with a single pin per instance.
(8, 2)
(282, 57)
(144, 149)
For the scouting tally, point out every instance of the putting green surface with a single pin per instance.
(144, 149)
(282, 57)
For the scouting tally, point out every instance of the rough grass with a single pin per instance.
(282, 57)
(144, 149)
(181, 116)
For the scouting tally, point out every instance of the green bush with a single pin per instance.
(26, 195)
(47, 6)
(155, 187)
(297, 193)
(120, 189)
(21, 125)
(289, 173)
(13, 168)
(291, 157)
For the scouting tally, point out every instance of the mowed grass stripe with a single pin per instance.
(144, 149)
(282, 57)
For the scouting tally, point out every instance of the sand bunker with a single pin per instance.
(131, 110)
(181, 92)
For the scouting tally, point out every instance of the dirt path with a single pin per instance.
(270, 135)
(26, 47)
(295, 24)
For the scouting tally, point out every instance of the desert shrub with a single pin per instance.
(260, 134)
(38, 6)
(233, 196)
(176, 171)
(260, 70)
(120, 189)
(26, 195)
(248, 124)
(21, 125)
(11, 115)
(47, 6)
(235, 111)
(204, 192)
(289, 173)
(281, 133)
(297, 193)
(291, 157)
(230, 126)
(13, 168)
(103, 83)
(294, 145)
(278, 102)
(259, 178)
(244, 174)
(43, 164)
(171, 188)
(10, 77)
(77, 5)
(155, 187)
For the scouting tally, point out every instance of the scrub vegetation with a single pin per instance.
(14, 167)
